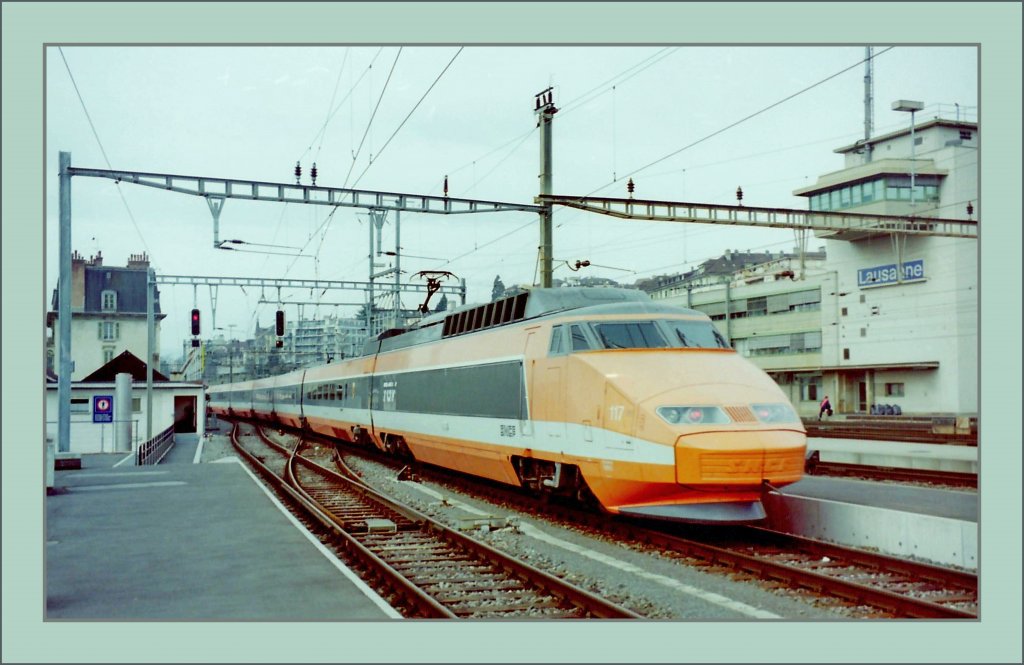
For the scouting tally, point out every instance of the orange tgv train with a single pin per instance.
(600, 394)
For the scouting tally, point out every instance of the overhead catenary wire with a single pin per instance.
(325, 225)
(567, 107)
(347, 96)
(620, 78)
(409, 114)
(373, 115)
(330, 105)
(742, 120)
(96, 134)
(519, 140)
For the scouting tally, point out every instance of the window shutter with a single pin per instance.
(117, 330)
(99, 331)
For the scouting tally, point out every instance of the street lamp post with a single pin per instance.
(912, 107)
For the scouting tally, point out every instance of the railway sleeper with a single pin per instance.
(458, 597)
(478, 577)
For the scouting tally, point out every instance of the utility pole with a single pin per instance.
(398, 269)
(64, 309)
(150, 347)
(545, 109)
(869, 102)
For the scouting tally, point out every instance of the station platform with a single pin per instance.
(900, 454)
(934, 524)
(185, 541)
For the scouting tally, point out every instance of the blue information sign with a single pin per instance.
(103, 408)
(913, 271)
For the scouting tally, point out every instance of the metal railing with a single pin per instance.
(154, 450)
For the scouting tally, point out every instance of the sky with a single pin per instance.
(685, 123)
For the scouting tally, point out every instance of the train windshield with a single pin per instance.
(651, 335)
(630, 335)
(696, 334)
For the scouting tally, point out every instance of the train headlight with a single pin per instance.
(693, 415)
(775, 413)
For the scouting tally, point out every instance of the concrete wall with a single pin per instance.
(90, 437)
(939, 540)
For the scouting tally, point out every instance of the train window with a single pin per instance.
(579, 339)
(696, 334)
(557, 346)
(632, 335)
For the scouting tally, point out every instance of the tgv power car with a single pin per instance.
(596, 393)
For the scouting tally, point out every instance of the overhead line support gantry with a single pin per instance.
(850, 224)
(216, 191)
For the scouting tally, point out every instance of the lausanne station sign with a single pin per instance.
(913, 271)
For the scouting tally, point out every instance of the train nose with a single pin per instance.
(740, 458)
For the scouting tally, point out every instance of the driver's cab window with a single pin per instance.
(579, 338)
(557, 346)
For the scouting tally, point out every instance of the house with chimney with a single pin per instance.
(108, 314)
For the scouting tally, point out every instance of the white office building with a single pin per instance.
(848, 323)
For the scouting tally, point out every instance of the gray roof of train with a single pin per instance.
(541, 303)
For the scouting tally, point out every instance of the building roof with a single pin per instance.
(126, 363)
(870, 171)
(129, 283)
(919, 127)
(716, 270)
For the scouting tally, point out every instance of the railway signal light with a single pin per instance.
(279, 343)
(280, 323)
(195, 321)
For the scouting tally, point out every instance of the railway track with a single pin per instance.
(886, 586)
(433, 571)
(888, 431)
(893, 587)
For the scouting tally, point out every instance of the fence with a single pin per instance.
(89, 437)
(154, 450)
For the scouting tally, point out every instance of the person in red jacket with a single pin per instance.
(826, 407)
